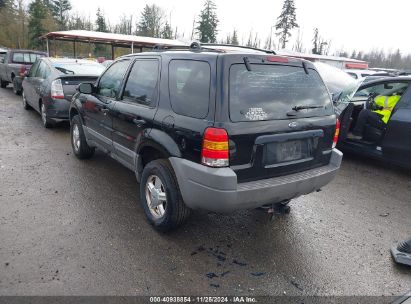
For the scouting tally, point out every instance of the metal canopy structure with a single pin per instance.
(114, 40)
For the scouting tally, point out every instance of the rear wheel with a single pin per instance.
(25, 104)
(16, 89)
(78, 140)
(3, 84)
(47, 123)
(161, 197)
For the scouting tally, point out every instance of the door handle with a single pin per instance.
(139, 122)
(105, 111)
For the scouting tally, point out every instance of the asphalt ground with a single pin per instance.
(71, 227)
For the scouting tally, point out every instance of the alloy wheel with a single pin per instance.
(43, 114)
(156, 196)
(76, 137)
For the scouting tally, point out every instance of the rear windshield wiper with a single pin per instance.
(298, 108)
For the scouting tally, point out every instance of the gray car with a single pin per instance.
(51, 83)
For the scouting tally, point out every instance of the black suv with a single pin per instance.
(211, 127)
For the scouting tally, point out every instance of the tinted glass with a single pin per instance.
(34, 68)
(28, 58)
(386, 89)
(271, 91)
(189, 84)
(141, 84)
(42, 71)
(79, 68)
(110, 82)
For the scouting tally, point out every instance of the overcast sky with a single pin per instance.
(350, 24)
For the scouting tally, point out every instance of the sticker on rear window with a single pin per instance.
(256, 114)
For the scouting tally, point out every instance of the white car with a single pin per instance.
(357, 74)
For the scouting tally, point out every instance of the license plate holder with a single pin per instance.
(287, 152)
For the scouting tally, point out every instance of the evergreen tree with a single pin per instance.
(38, 12)
(101, 25)
(234, 38)
(151, 21)
(207, 25)
(354, 54)
(316, 42)
(167, 32)
(286, 22)
(60, 9)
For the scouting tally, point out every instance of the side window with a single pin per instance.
(189, 85)
(141, 86)
(34, 68)
(110, 82)
(43, 71)
(40, 69)
(386, 89)
(18, 57)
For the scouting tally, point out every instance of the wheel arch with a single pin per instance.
(157, 145)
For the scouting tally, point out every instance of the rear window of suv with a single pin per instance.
(269, 92)
(28, 58)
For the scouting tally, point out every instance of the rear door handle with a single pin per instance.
(139, 122)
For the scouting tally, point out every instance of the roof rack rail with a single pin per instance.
(239, 46)
(165, 47)
(194, 46)
(198, 47)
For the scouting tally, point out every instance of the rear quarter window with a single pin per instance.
(27, 58)
(269, 92)
(189, 87)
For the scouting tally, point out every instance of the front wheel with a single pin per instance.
(161, 197)
(25, 104)
(78, 140)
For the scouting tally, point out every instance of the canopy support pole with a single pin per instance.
(74, 49)
(47, 47)
(132, 48)
(55, 47)
(112, 51)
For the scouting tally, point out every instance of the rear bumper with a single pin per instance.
(217, 189)
(58, 109)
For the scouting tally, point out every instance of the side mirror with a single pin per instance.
(86, 88)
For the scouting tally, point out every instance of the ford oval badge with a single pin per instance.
(293, 124)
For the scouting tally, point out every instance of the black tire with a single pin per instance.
(83, 150)
(15, 89)
(47, 123)
(3, 84)
(176, 212)
(25, 104)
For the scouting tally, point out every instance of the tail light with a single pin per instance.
(57, 89)
(22, 71)
(337, 133)
(215, 148)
